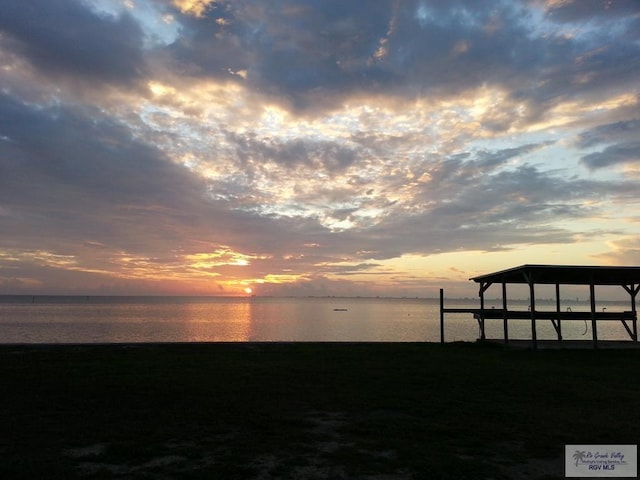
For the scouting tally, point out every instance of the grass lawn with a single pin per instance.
(309, 410)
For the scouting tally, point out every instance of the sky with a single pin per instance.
(307, 147)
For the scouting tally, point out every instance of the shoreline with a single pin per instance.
(517, 344)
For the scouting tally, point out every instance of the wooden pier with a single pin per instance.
(626, 277)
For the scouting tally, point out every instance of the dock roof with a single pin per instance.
(565, 275)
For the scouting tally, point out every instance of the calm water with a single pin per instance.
(215, 319)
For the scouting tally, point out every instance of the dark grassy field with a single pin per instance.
(316, 411)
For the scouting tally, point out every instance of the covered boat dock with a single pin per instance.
(626, 277)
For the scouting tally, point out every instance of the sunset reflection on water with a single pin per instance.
(253, 319)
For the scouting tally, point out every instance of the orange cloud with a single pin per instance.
(197, 8)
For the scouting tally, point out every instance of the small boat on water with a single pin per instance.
(339, 309)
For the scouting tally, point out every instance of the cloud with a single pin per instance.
(75, 173)
(613, 155)
(313, 57)
(624, 131)
(110, 205)
(621, 143)
(585, 10)
(197, 8)
(622, 251)
(73, 177)
(64, 39)
(309, 55)
(303, 152)
(306, 142)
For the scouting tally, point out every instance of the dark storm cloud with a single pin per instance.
(75, 174)
(613, 155)
(210, 48)
(621, 140)
(585, 10)
(295, 50)
(65, 38)
(625, 131)
(450, 48)
(315, 54)
(465, 171)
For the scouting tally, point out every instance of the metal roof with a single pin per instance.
(564, 274)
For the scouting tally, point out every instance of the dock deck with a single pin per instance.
(564, 344)
(499, 313)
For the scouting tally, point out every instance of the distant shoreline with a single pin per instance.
(25, 298)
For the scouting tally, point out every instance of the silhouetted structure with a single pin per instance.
(532, 275)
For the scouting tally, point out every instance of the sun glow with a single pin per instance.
(248, 291)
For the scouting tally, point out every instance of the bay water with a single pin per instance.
(62, 319)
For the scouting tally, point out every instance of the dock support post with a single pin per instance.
(441, 315)
(483, 288)
(504, 310)
(594, 328)
(532, 294)
(633, 290)
(559, 327)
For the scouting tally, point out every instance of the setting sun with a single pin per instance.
(248, 291)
